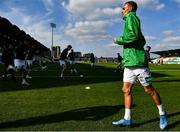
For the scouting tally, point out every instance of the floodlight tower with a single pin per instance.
(52, 26)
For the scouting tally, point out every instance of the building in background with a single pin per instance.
(78, 54)
(56, 52)
(87, 55)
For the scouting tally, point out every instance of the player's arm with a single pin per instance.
(131, 34)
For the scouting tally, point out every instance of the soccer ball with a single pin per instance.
(87, 87)
(81, 76)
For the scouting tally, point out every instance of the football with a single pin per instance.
(81, 76)
(87, 87)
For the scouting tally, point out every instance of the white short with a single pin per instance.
(92, 64)
(142, 74)
(29, 62)
(10, 67)
(19, 64)
(62, 62)
(72, 62)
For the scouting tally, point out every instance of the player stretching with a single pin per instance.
(136, 64)
(92, 60)
(19, 62)
(72, 62)
(63, 58)
(29, 61)
(119, 62)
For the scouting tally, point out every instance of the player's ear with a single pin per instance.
(129, 8)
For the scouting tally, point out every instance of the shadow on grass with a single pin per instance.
(82, 114)
(50, 78)
(172, 125)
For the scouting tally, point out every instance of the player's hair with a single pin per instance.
(133, 5)
(149, 47)
(69, 46)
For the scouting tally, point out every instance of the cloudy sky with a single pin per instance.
(91, 25)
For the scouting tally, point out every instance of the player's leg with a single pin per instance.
(128, 100)
(63, 69)
(93, 65)
(5, 71)
(24, 73)
(157, 100)
(19, 66)
(129, 79)
(71, 66)
(153, 93)
(11, 70)
(126, 121)
(29, 68)
(118, 67)
(63, 65)
(74, 66)
(145, 79)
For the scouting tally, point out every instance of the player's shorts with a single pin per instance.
(142, 74)
(72, 62)
(62, 62)
(19, 64)
(29, 62)
(92, 64)
(10, 67)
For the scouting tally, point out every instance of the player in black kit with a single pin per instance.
(63, 59)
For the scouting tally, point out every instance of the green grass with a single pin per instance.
(51, 103)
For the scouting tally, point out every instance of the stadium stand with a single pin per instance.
(168, 56)
(168, 53)
(12, 34)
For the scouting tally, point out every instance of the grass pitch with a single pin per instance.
(51, 103)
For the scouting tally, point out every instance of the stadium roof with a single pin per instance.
(174, 52)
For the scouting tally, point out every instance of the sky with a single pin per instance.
(90, 25)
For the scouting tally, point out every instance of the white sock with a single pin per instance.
(23, 80)
(127, 114)
(61, 74)
(161, 110)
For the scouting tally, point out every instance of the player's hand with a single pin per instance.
(115, 40)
